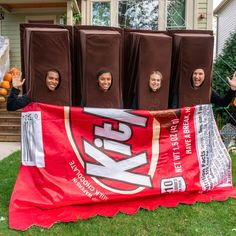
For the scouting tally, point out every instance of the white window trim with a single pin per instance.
(162, 15)
(40, 17)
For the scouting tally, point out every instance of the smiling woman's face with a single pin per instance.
(104, 81)
(198, 77)
(155, 82)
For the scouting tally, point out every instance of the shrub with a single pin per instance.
(224, 66)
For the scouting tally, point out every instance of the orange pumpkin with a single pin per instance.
(3, 92)
(7, 77)
(15, 71)
(5, 84)
(2, 99)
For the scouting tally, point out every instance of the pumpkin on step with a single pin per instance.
(5, 84)
(7, 77)
(3, 92)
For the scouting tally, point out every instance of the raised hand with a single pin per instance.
(17, 81)
(232, 82)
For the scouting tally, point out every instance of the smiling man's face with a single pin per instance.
(198, 77)
(52, 80)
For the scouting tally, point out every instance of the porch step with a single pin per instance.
(3, 105)
(10, 125)
(9, 113)
(8, 128)
(9, 137)
(9, 120)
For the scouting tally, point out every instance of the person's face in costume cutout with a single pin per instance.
(52, 80)
(105, 81)
(198, 78)
(155, 81)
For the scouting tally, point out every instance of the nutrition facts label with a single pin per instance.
(214, 160)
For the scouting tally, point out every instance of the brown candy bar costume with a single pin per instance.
(99, 49)
(151, 52)
(44, 49)
(192, 51)
(130, 55)
(129, 66)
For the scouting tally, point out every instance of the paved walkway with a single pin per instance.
(7, 148)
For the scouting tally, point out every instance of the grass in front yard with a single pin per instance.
(214, 218)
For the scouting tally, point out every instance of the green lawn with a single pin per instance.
(214, 218)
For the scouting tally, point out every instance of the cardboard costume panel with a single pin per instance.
(77, 79)
(79, 63)
(171, 32)
(191, 51)
(45, 49)
(130, 55)
(100, 49)
(23, 40)
(151, 52)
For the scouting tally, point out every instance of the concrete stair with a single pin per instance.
(10, 125)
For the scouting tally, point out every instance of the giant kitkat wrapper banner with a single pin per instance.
(77, 163)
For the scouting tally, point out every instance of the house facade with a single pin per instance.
(226, 22)
(16, 12)
(140, 14)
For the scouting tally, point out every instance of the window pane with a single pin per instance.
(139, 14)
(101, 13)
(176, 14)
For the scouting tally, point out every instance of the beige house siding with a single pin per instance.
(201, 12)
(10, 28)
(226, 23)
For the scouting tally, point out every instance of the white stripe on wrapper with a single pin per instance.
(31, 139)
